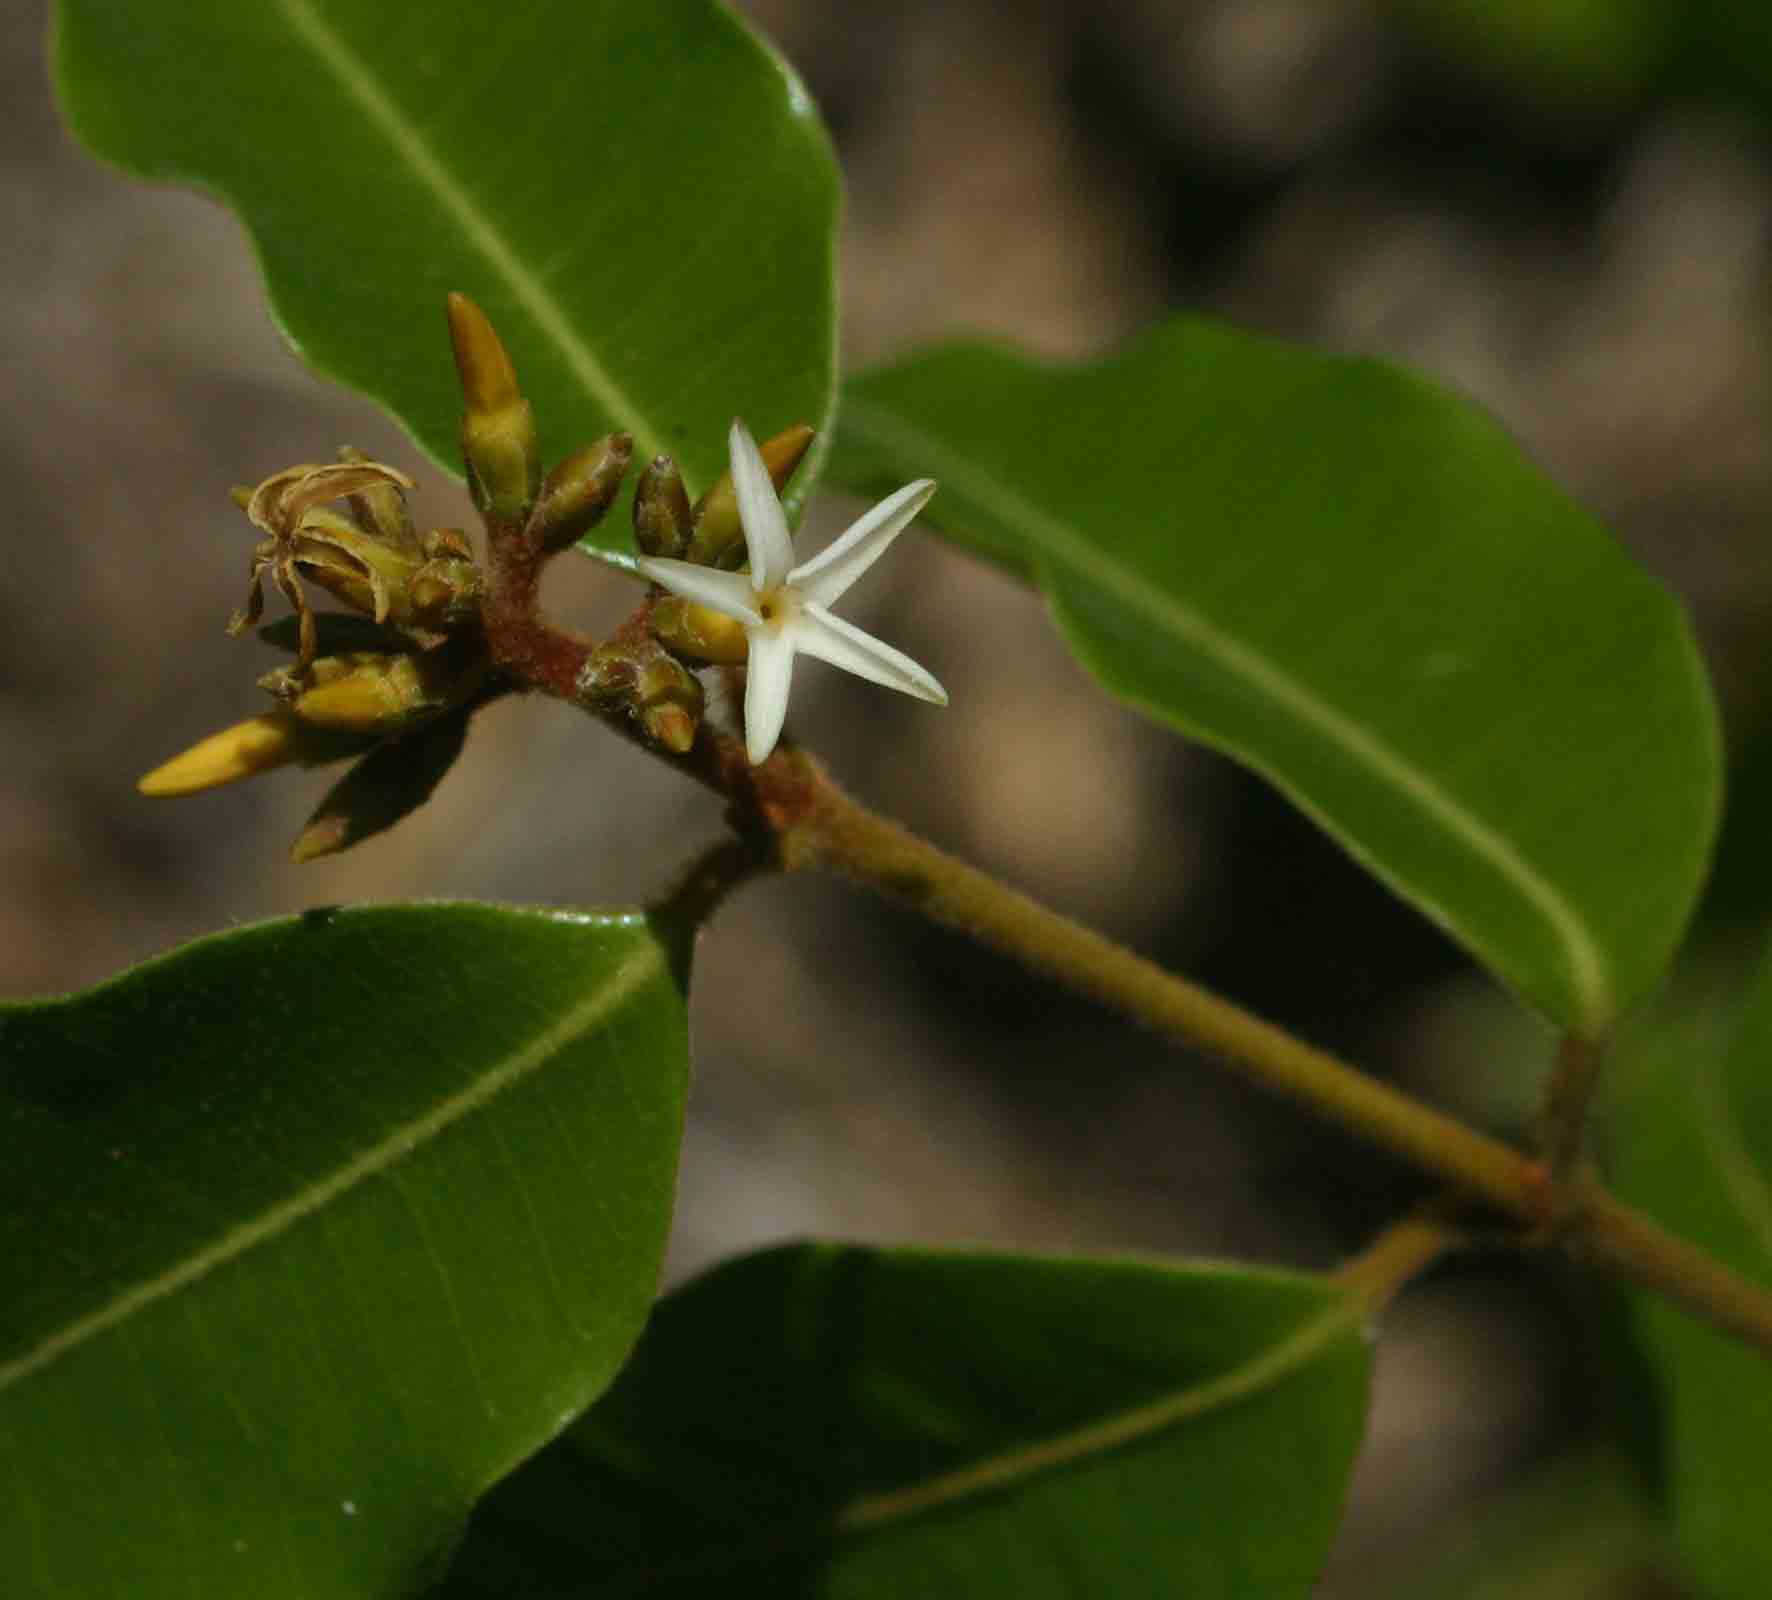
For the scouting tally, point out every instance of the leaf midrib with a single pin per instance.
(396, 1146)
(1068, 548)
(1266, 1369)
(409, 145)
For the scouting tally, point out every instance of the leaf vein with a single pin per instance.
(386, 1153)
(1071, 549)
(526, 286)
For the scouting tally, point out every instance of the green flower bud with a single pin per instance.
(669, 699)
(498, 439)
(662, 518)
(579, 491)
(608, 674)
(444, 592)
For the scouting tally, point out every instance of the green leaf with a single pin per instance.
(641, 196)
(1353, 582)
(311, 1231)
(826, 1421)
(1692, 1140)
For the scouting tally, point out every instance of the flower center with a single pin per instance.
(775, 606)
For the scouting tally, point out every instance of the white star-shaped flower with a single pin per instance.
(784, 608)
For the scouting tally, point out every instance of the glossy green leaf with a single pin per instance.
(310, 1231)
(827, 1421)
(1692, 1140)
(1352, 581)
(641, 196)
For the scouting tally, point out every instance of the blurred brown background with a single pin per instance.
(1560, 206)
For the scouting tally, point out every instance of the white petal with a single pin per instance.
(824, 578)
(729, 593)
(816, 632)
(770, 674)
(759, 511)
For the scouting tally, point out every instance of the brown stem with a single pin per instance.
(706, 885)
(522, 646)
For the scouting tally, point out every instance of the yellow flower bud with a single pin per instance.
(718, 540)
(277, 739)
(498, 438)
(663, 678)
(700, 632)
(373, 693)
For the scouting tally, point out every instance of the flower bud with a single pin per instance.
(579, 491)
(446, 542)
(498, 439)
(718, 540)
(608, 674)
(671, 725)
(669, 699)
(373, 693)
(700, 632)
(444, 592)
(662, 518)
(663, 678)
(277, 739)
(657, 689)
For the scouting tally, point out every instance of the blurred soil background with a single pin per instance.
(1558, 206)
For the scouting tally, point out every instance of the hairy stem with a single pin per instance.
(847, 838)
(705, 885)
(837, 834)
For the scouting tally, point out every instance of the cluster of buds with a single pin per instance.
(648, 670)
(431, 635)
(394, 680)
(393, 684)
